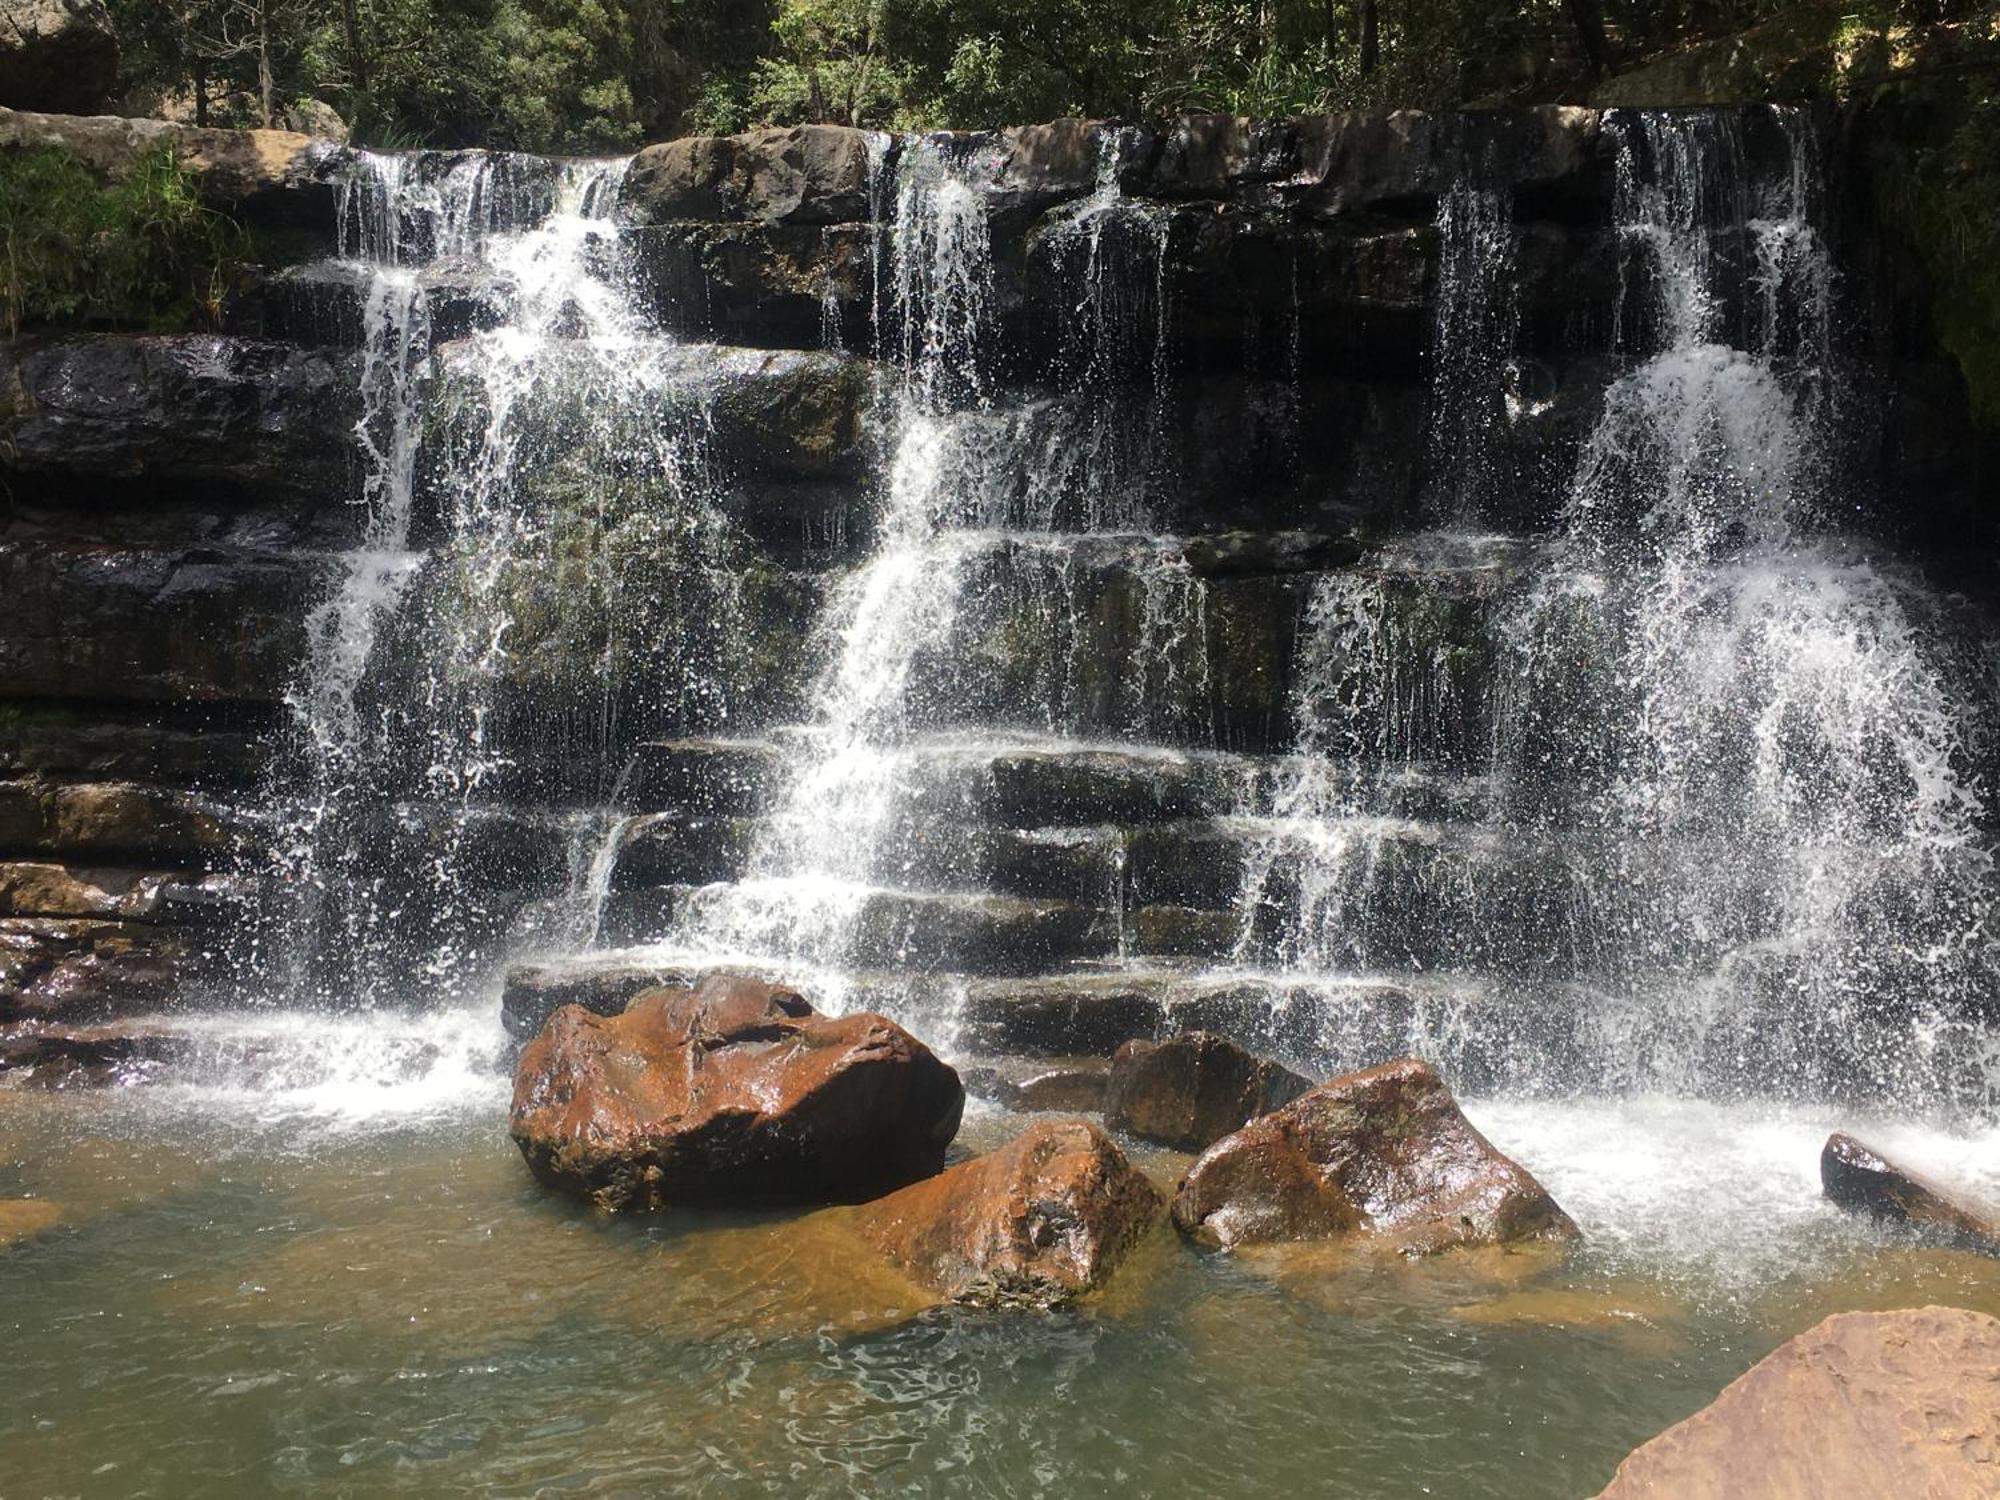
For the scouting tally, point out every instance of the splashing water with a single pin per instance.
(557, 448)
(1728, 834)
(967, 553)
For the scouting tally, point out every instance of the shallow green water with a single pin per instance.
(232, 1306)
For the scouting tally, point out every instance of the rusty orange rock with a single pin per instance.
(733, 1091)
(1384, 1154)
(1038, 1222)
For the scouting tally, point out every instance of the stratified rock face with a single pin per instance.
(1861, 1179)
(1039, 1222)
(189, 407)
(1192, 1090)
(733, 1091)
(57, 54)
(1382, 1154)
(1888, 1404)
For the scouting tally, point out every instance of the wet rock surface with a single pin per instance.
(1192, 1090)
(733, 1091)
(1862, 1180)
(532, 993)
(1891, 1403)
(191, 408)
(1029, 1085)
(64, 1057)
(1382, 1156)
(1036, 1223)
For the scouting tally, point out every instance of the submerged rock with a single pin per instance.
(733, 1091)
(1191, 1090)
(1069, 1085)
(1862, 1180)
(65, 1057)
(1384, 1155)
(1891, 1403)
(24, 1218)
(1036, 1223)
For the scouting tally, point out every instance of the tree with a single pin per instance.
(831, 65)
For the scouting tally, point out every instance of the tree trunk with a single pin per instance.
(265, 88)
(357, 59)
(1588, 18)
(1371, 39)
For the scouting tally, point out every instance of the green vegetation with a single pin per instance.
(136, 251)
(574, 75)
(1936, 171)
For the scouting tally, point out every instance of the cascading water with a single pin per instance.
(1677, 791)
(1471, 343)
(1724, 830)
(1098, 653)
(536, 495)
(1003, 531)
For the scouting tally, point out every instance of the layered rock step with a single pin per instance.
(1201, 856)
(1030, 1027)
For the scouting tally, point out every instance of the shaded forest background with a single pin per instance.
(582, 75)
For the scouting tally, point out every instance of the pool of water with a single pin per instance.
(233, 1298)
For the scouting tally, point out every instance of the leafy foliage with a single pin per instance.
(581, 75)
(1937, 179)
(139, 250)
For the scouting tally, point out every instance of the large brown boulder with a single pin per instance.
(1889, 1403)
(733, 1091)
(1383, 1155)
(1039, 1222)
(1862, 1180)
(57, 54)
(808, 174)
(1192, 1090)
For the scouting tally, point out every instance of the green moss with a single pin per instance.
(29, 713)
(139, 251)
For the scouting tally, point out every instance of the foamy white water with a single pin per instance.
(1729, 1195)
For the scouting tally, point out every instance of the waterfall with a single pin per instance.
(525, 486)
(1002, 529)
(1728, 833)
(1472, 339)
(1666, 784)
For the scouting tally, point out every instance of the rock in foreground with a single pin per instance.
(1383, 1155)
(1037, 1223)
(733, 1091)
(1862, 1180)
(1894, 1403)
(1192, 1090)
